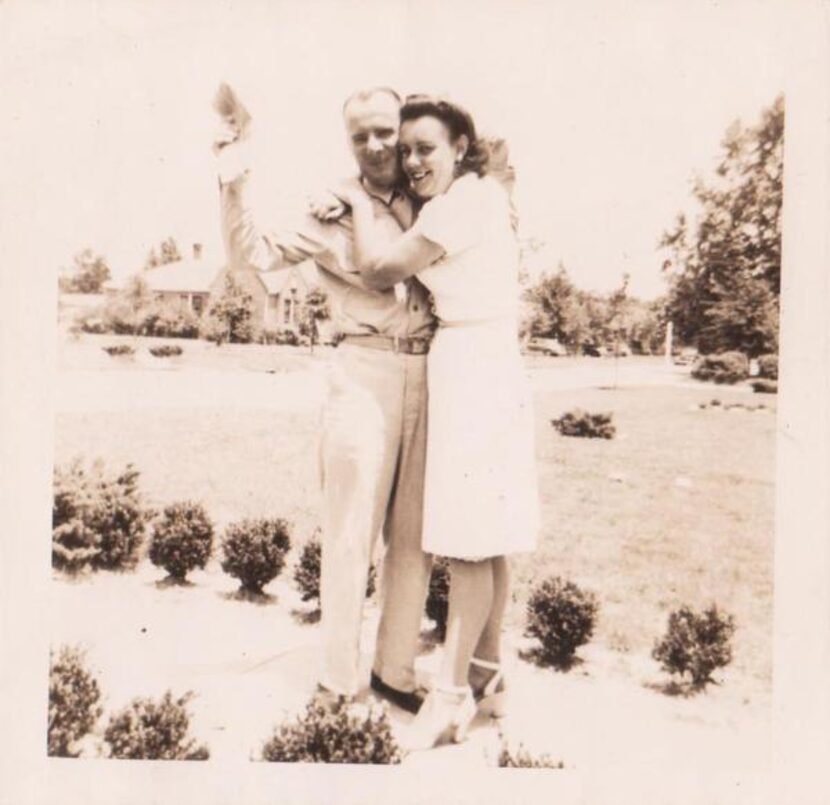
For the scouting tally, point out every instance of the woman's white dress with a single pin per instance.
(481, 495)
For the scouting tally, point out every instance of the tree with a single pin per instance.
(647, 325)
(554, 305)
(556, 308)
(726, 273)
(315, 309)
(88, 274)
(234, 308)
(168, 252)
(618, 323)
(136, 298)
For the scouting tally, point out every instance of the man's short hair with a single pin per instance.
(370, 92)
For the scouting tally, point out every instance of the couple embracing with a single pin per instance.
(427, 431)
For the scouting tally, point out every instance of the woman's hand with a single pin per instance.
(332, 204)
(327, 206)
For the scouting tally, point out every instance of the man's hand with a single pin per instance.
(235, 121)
(232, 135)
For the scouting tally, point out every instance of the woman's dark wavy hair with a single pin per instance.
(458, 121)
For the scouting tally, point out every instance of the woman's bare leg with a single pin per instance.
(489, 644)
(470, 606)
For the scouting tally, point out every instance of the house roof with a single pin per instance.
(197, 276)
(277, 280)
(183, 276)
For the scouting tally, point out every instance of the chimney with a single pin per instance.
(197, 251)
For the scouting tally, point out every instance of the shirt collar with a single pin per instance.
(386, 196)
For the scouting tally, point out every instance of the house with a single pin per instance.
(278, 295)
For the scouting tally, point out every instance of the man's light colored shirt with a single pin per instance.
(355, 308)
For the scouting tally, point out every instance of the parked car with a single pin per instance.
(547, 346)
(685, 356)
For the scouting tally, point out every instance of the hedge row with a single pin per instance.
(99, 522)
(145, 730)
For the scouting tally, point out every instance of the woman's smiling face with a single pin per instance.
(428, 156)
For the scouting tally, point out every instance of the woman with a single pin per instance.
(481, 499)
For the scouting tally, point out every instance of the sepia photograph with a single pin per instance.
(337, 526)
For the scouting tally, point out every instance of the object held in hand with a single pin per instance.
(235, 117)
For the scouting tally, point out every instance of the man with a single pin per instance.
(374, 421)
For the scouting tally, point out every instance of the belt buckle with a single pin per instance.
(396, 343)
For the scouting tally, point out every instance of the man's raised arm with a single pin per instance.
(246, 244)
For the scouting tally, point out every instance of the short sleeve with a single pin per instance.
(456, 220)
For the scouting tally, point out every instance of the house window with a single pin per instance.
(286, 316)
(198, 304)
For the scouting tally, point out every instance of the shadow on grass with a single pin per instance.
(306, 617)
(679, 689)
(172, 581)
(537, 657)
(250, 596)
(73, 576)
(79, 575)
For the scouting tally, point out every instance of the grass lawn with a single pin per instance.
(678, 508)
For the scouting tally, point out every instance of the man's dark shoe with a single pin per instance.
(410, 701)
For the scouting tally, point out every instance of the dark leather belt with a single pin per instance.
(406, 344)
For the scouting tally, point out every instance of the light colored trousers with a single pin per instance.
(373, 452)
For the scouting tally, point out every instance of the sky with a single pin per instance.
(610, 108)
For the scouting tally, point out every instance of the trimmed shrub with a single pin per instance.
(98, 520)
(696, 644)
(768, 366)
(437, 605)
(182, 539)
(522, 759)
(334, 732)
(118, 350)
(288, 337)
(213, 329)
(149, 730)
(254, 551)
(562, 617)
(307, 572)
(73, 702)
(166, 351)
(91, 323)
(170, 320)
(120, 318)
(723, 367)
(765, 386)
(586, 425)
